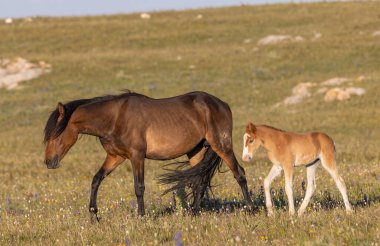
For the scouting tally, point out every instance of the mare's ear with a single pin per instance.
(251, 128)
(61, 110)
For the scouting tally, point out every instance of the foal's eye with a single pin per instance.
(251, 141)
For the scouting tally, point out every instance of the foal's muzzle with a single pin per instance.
(52, 163)
(247, 158)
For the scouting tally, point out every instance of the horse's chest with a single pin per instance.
(115, 146)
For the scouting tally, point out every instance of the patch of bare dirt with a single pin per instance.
(299, 93)
(276, 39)
(15, 71)
(303, 90)
(341, 94)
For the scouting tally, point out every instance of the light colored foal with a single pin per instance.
(287, 150)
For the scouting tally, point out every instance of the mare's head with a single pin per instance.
(250, 142)
(59, 135)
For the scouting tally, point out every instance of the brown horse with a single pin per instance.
(133, 126)
(287, 150)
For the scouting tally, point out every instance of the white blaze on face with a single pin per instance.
(246, 156)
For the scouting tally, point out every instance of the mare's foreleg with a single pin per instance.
(110, 163)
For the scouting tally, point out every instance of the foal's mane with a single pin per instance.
(53, 130)
(273, 128)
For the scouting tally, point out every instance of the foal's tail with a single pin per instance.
(197, 177)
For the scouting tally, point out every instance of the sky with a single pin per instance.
(31, 8)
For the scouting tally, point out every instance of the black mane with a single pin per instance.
(53, 130)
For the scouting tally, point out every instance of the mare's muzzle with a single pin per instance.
(52, 163)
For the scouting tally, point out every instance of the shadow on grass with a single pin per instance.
(322, 200)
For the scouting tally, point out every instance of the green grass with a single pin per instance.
(93, 56)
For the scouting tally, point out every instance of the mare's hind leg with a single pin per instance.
(328, 162)
(239, 174)
(198, 195)
(137, 160)
(274, 173)
(110, 163)
(311, 185)
(195, 156)
(223, 147)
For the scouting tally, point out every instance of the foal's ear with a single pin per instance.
(61, 109)
(251, 128)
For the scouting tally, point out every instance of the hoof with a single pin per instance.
(195, 212)
(94, 215)
(300, 212)
(95, 218)
(270, 214)
(250, 208)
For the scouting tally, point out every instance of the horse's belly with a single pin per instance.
(305, 159)
(305, 150)
(171, 143)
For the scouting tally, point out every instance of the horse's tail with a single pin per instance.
(197, 177)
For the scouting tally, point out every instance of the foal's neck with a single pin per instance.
(268, 135)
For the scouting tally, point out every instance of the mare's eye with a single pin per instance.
(251, 141)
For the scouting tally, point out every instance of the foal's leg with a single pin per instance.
(288, 171)
(138, 173)
(328, 162)
(274, 173)
(311, 185)
(110, 163)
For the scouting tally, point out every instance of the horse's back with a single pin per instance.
(189, 106)
(183, 120)
(205, 100)
(308, 147)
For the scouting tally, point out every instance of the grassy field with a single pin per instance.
(170, 54)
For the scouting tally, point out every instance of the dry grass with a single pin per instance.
(173, 53)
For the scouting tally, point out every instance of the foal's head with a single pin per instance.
(250, 142)
(59, 136)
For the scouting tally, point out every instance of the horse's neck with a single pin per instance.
(94, 121)
(267, 136)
